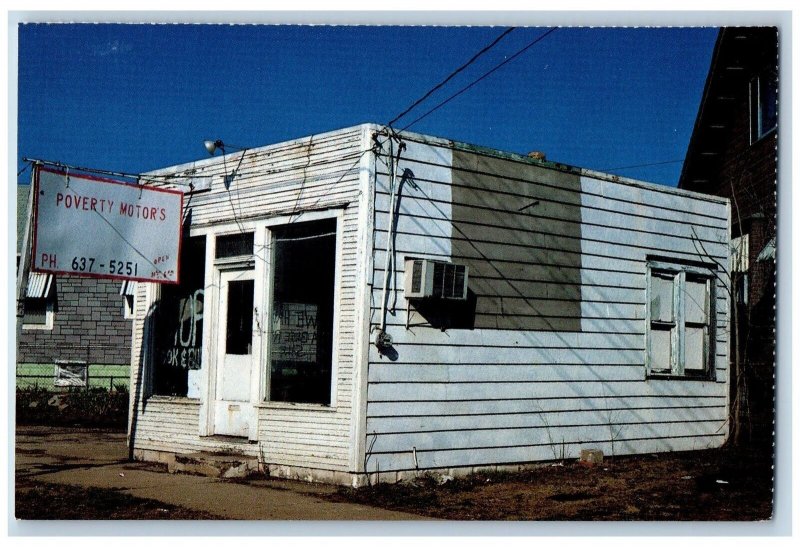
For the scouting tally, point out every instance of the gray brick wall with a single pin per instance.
(88, 325)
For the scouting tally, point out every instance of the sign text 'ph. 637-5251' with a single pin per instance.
(100, 228)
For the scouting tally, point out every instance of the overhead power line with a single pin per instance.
(166, 179)
(485, 75)
(451, 76)
(639, 165)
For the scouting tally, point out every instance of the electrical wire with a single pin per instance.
(451, 76)
(639, 165)
(165, 179)
(485, 75)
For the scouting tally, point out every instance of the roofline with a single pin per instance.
(712, 69)
(206, 162)
(556, 166)
(449, 143)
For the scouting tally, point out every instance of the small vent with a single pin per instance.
(435, 279)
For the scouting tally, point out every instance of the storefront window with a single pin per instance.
(301, 335)
(178, 323)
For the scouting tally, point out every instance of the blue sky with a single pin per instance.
(138, 97)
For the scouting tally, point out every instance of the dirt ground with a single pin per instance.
(718, 485)
(63, 474)
(39, 501)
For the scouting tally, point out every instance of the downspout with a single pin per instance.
(383, 340)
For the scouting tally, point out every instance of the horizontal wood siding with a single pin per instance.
(553, 354)
(308, 174)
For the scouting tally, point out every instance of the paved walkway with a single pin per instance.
(99, 459)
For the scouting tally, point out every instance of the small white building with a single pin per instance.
(359, 303)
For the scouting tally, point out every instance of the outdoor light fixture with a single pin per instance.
(212, 146)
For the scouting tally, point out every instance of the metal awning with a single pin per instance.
(768, 252)
(128, 288)
(39, 285)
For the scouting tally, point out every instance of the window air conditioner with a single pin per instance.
(435, 279)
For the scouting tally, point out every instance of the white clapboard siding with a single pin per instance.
(602, 194)
(595, 208)
(537, 390)
(597, 280)
(547, 450)
(432, 188)
(314, 173)
(169, 424)
(588, 325)
(545, 405)
(393, 373)
(545, 245)
(595, 226)
(589, 429)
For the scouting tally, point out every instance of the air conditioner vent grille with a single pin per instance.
(416, 277)
(435, 279)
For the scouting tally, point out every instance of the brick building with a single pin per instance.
(733, 153)
(71, 318)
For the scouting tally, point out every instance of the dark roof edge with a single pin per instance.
(701, 108)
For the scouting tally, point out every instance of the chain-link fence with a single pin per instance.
(52, 363)
(61, 375)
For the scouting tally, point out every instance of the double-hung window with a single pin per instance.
(680, 309)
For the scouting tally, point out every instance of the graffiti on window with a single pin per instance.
(294, 332)
(178, 324)
(186, 350)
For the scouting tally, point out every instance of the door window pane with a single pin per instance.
(239, 327)
(301, 335)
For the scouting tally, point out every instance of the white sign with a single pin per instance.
(99, 228)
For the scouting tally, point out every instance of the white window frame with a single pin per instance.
(679, 273)
(267, 227)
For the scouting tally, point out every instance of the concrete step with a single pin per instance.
(227, 466)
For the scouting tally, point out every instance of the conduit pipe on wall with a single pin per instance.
(382, 339)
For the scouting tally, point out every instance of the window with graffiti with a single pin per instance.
(178, 323)
(301, 330)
